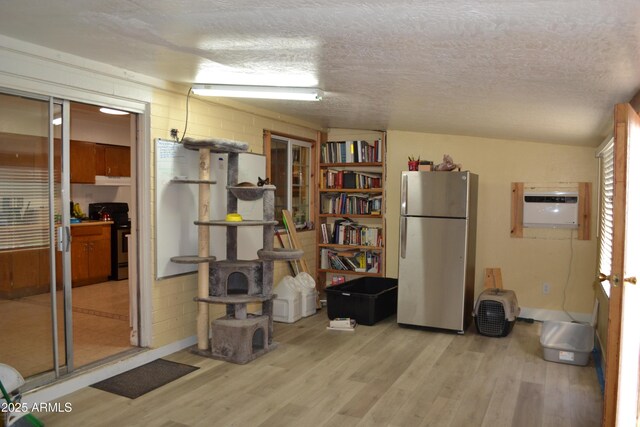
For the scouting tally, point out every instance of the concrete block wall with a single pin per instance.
(174, 312)
(541, 256)
(308, 241)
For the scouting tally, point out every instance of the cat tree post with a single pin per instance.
(239, 336)
(204, 195)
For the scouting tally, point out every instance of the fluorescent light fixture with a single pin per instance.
(113, 112)
(262, 92)
(57, 121)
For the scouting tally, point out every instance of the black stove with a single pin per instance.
(119, 212)
(120, 229)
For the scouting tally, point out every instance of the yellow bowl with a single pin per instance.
(234, 217)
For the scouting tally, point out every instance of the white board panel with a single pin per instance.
(177, 206)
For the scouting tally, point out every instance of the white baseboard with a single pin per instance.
(542, 314)
(76, 382)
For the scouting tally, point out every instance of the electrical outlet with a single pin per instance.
(546, 288)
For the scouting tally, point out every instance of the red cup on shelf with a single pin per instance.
(413, 165)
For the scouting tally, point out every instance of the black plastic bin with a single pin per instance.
(367, 299)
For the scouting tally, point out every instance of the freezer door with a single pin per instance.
(431, 276)
(439, 194)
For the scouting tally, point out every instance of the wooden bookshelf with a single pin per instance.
(353, 215)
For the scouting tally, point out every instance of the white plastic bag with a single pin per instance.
(288, 287)
(308, 293)
(305, 283)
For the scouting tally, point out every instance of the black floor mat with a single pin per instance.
(145, 378)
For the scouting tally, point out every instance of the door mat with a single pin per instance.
(145, 378)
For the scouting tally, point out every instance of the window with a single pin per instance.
(24, 172)
(290, 171)
(605, 222)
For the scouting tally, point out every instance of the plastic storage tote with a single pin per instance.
(566, 342)
(367, 299)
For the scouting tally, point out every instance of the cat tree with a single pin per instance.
(239, 336)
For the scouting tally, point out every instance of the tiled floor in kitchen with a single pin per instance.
(100, 327)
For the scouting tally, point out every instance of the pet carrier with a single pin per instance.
(495, 312)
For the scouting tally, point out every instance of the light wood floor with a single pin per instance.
(382, 375)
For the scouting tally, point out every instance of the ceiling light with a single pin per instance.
(112, 111)
(57, 121)
(262, 92)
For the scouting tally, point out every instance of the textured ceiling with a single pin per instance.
(546, 71)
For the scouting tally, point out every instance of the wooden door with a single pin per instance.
(621, 376)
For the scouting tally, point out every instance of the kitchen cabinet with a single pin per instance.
(90, 253)
(83, 162)
(113, 160)
(89, 159)
(24, 272)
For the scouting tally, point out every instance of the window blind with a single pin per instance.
(24, 198)
(605, 226)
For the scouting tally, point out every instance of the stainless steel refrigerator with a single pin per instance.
(437, 249)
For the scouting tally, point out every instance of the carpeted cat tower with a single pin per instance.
(240, 336)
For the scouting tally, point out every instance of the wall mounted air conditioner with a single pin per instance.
(556, 209)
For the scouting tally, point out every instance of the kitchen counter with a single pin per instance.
(90, 252)
(90, 222)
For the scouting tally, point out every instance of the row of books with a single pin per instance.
(351, 152)
(357, 261)
(331, 178)
(346, 204)
(344, 232)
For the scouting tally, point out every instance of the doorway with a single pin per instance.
(104, 138)
(62, 305)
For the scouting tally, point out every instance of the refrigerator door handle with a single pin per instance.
(403, 195)
(403, 237)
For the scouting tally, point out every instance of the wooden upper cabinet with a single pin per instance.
(117, 160)
(89, 159)
(113, 160)
(101, 168)
(83, 162)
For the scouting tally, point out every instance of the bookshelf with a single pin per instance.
(350, 203)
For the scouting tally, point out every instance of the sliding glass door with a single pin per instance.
(34, 217)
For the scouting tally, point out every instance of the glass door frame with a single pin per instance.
(59, 237)
(290, 143)
(64, 234)
(140, 270)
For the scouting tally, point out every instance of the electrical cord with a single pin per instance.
(566, 283)
(186, 119)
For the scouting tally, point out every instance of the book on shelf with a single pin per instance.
(345, 232)
(351, 203)
(351, 152)
(324, 258)
(359, 261)
(326, 232)
(338, 179)
(348, 180)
